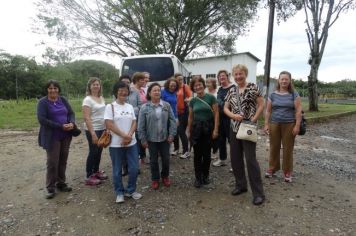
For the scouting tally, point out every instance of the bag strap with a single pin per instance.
(204, 102)
(112, 109)
(238, 99)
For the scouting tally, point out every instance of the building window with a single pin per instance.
(211, 76)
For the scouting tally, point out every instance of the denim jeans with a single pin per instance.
(163, 149)
(94, 155)
(117, 154)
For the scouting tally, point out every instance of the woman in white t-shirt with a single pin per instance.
(120, 119)
(93, 108)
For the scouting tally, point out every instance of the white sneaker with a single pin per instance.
(134, 195)
(174, 153)
(219, 163)
(120, 199)
(185, 155)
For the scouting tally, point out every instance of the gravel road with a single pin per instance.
(320, 201)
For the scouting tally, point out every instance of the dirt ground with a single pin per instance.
(320, 201)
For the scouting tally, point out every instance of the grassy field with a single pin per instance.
(22, 115)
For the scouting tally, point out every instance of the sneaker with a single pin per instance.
(214, 156)
(134, 195)
(155, 184)
(50, 195)
(101, 175)
(185, 155)
(288, 177)
(174, 153)
(270, 173)
(166, 182)
(120, 199)
(92, 180)
(63, 187)
(219, 163)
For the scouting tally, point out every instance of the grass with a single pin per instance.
(327, 109)
(22, 115)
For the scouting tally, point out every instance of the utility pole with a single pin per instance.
(267, 66)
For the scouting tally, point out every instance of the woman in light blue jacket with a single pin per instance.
(156, 130)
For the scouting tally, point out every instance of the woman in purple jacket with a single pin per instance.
(57, 120)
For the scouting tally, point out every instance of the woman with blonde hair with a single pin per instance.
(244, 103)
(93, 108)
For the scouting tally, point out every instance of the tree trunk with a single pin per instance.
(313, 85)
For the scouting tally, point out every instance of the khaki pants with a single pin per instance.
(281, 133)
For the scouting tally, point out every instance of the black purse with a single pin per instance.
(75, 131)
(303, 125)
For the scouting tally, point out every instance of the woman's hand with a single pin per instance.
(170, 139)
(296, 130)
(237, 117)
(68, 127)
(215, 134)
(266, 129)
(94, 138)
(126, 139)
(144, 145)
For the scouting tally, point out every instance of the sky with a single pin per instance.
(290, 49)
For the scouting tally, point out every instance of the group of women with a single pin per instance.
(165, 116)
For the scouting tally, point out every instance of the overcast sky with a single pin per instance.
(290, 47)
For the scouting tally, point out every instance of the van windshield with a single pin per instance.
(160, 68)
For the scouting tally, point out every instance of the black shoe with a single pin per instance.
(258, 200)
(197, 183)
(238, 191)
(206, 181)
(50, 195)
(64, 187)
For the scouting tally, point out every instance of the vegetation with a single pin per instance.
(341, 89)
(23, 78)
(22, 115)
(320, 16)
(146, 27)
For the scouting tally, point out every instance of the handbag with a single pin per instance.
(75, 131)
(105, 138)
(303, 125)
(247, 130)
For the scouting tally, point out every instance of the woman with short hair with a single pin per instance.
(156, 130)
(245, 102)
(203, 126)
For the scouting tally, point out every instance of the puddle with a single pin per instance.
(336, 139)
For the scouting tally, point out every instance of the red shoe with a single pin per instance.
(166, 182)
(288, 177)
(101, 175)
(155, 184)
(92, 180)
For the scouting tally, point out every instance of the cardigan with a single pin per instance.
(45, 135)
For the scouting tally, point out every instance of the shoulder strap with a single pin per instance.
(112, 109)
(204, 102)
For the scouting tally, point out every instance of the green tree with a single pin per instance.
(20, 77)
(320, 16)
(146, 26)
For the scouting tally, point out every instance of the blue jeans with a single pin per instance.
(94, 155)
(163, 149)
(117, 155)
